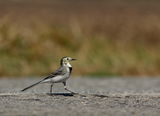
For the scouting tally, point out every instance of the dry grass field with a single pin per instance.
(118, 37)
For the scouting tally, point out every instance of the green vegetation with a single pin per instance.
(112, 42)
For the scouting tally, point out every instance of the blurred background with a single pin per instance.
(108, 37)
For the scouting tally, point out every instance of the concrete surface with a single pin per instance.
(98, 97)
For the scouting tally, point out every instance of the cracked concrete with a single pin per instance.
(97, 97)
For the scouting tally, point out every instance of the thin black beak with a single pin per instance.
(73, 59)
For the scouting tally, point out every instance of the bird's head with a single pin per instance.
(66, 60)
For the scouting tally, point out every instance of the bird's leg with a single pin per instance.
(65, 87)
(51, 88)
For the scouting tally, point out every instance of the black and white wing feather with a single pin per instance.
(59, 71)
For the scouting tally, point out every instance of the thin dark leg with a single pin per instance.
(65, 87)
(51, 88)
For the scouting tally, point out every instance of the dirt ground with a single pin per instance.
(97, 97)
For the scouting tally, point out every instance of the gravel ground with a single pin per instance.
(98, 97)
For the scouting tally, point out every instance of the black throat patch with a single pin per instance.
(70, 69)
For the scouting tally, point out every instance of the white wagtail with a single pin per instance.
(59, 76)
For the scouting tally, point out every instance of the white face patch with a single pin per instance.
(68, 64)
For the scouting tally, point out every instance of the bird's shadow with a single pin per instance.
(76, 94)
(61, 94)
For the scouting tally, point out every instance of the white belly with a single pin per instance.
(57, 79)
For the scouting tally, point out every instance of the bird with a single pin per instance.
(59, 76)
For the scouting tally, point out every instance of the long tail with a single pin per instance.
(31, 86)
